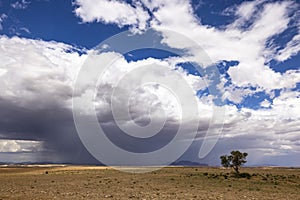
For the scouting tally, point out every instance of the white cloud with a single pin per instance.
(50, 70)
(116, 12)
(2, 71)
(263, 20)
(236, 95)
(245, 75)
(20, 5)
(2, 18)
(245, 13)
(273, 130)
(26, 30)
(20, 146)
(265, 103)
(291, 49)
(248, 46)
(143, 97)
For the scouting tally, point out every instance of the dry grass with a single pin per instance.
(78, 182)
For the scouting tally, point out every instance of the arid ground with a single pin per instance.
(82, 182)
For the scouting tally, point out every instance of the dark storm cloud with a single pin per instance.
(19, 122)
(53, 124)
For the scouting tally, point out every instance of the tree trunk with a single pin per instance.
(236, 168)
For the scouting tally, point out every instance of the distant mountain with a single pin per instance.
(262, 165)
(32, 163)
(45, 163)
(188, 163)
(176, 163)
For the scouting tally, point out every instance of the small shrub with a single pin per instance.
(245, 175)
(264, 179)
(242, 175)
(214, 175)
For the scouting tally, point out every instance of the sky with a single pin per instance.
(238, 59)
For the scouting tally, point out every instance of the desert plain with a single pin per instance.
(97, 182)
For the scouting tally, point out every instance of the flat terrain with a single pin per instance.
(79, 182)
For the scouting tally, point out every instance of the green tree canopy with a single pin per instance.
(235, 160)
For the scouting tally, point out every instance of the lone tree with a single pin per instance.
(235, 160)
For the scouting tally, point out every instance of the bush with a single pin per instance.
(245, 175)
(242, 175)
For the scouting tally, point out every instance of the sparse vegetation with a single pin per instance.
(168, 183)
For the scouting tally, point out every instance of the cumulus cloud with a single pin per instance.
(265, 103)
(36, 103)
(117, 12)
(48, 67)
(36, 106)
(36, 81)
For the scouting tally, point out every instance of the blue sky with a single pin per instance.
(54, 20)
(254, 72)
